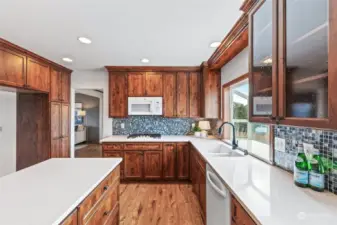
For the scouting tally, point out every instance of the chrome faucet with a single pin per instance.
(234, 142)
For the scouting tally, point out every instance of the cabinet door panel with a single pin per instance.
(12, 68)
(56, 148)
(153, 164)
(154, 84)
(263, 64)
(183, 161)
(133, 165)
(55, 85)
(182, 95)
(118, 99)
(38, 75)
(114, 154)
(65, 144)
(169, 161)
(202, 192)
(65, 120)
(195, 94)
(55, 120)
(65, 84)
(136, 84)
(170, 94)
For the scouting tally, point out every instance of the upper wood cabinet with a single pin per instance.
(55, 84)
(136, 84)
(65, 87)
(38, 75)
(183, 102)
(210, 92)
(118, 94)
(195, 94)
(153, 84)
(169, 94)
(292, 68)
(12, 68)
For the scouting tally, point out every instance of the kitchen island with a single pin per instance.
(62, 191)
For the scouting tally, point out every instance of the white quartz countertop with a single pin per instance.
(266, 192)
(48, 192)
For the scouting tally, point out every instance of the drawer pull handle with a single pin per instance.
(105, 188)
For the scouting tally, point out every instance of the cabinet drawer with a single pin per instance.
(199, 159)
(150, 146)
(71, 219)
(86, 208)
(239, 214)
(105, 209)
(113, 146)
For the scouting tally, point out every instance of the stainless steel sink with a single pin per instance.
(223, 151)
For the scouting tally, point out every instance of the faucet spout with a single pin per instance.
(234, 142)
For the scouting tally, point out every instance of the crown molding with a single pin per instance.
(153, 68)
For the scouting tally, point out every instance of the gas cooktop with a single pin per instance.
(144, 136)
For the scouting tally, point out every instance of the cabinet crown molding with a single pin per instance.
(153, 68)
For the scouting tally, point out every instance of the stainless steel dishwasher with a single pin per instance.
(218, 200)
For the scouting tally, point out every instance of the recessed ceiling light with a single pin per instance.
(66, 59)
(84, 40)
(215, 44)
(145, 60)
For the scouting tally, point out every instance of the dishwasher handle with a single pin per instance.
(220, 190)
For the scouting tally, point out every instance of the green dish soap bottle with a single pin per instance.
(316, 171)
(301, 168)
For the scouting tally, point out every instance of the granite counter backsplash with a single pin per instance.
(152, 125)
(325, 141)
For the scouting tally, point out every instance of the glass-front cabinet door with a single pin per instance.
(304, 75)
(263, 62)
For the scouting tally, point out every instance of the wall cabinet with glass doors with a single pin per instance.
(293, 73)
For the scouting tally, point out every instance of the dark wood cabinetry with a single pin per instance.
(55, 84)
(133, 165)
(153, 84)
(118, 97)
(65, 87)
(12, 67)
(169, 94)
(183, 94)
(195, 94)
(291, 83)
(136, 84)
(38, 75)
(183, 161)
(169, 161)
(239, 214)
(153, 165)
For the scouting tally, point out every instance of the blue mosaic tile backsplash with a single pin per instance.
(152, 125)
(325, 141)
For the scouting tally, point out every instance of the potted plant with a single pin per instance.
(197, 131)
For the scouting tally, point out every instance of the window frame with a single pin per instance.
(225, 96)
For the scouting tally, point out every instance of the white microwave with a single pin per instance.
(145, 106)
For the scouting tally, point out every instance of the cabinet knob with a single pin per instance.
(105, 188)
(106, 213)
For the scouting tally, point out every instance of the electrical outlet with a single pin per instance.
(308, 148)
(280, 144)
(122, 125)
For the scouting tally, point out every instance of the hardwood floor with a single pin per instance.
(159, 204)
(89, 151)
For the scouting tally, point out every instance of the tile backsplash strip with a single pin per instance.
(325, 141)
(152, 124)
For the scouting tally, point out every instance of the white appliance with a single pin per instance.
(145, 106)
(218, 200)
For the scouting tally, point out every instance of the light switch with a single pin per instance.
(280, 144)
(122, 125)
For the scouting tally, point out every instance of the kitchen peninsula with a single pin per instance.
(62, 191)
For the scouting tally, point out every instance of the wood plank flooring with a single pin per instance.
(159, 204)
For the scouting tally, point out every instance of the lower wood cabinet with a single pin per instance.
(133, 165)
(116, 154)
(239, 214)
(153, 165)
(169, 161)
(71, 219)
(183, 161)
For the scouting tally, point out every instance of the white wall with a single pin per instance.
(91, 80)
(8, 133)
(236, 67)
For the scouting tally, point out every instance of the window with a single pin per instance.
(253, 137)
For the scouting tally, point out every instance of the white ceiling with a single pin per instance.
(169, 33)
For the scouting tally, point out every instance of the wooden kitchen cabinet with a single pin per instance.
(169, 161)
(239, 214)
(116, 154)
(65, 87)
(202, 192)
(38, 75)
(12, 67)
(71, 219)
(169, 94)
(65, 120)
(153, 165)
(136, 84)
(134, 165)
(290, 83)
(153, 84)
(183, 161)
(195, 94)
(118, 94)
(183, 94)
(55, 84)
